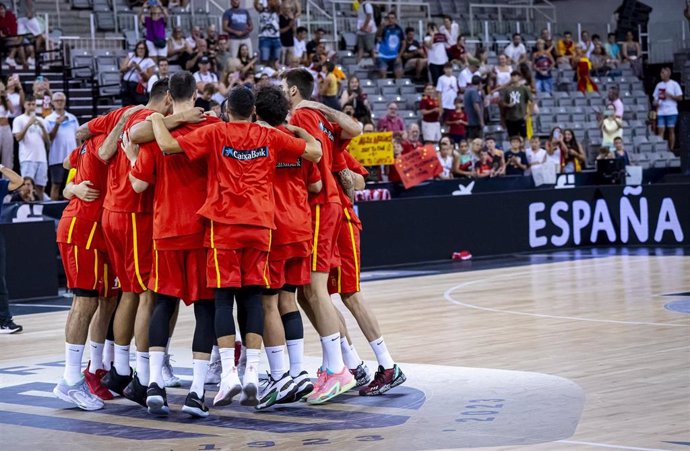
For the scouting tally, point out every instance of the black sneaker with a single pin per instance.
(362, 375)
(116, 383)
(157, 400)
(136, 392)
(195, 406)
(9, 327)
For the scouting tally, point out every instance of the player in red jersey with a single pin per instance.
(334, 378)
(289, 263)
(240, 206)
(128, 228)
(179, 268)
(82, 247)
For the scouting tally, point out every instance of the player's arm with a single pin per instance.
(83, 132)
(15, 179)
(139, 186)
(109, 146)
(351, 128)
(82, 190)
(312, 151)
(359, 182)
(165, 140)
(315, 187)
(143, 131)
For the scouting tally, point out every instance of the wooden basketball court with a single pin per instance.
(580, 353)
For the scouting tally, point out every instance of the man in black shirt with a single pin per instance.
(311, 45)
(413, 56)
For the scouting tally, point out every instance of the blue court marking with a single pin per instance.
(679, 306)
(679, 443)
(19, 370)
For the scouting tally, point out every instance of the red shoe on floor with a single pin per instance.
(94, 383)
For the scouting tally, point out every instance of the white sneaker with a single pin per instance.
(31, 62)
(78, 394)
(169, 377)
(230, 386)
(250, 387)
(280, 391)
(214, 371)
(10, 62)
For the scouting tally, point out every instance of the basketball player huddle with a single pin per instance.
(247, 211)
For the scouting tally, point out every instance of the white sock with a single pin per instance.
(143, 368)
(156, 360)
(215, 355)
(350, 356)
(167, 347)
(276, 361)
(382, 355)
(295, 349)
(73, 355)
(108, 353)
(96, 357)
(252, 371)
(227, 359)
(243, 356)
(333, 354)
(121, 360)
(200, 369)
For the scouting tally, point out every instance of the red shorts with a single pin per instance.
(326, 220)
(289, 264)
(345, 278)
(88, 269)
(129, 238)
(235, 268)
(181, 274)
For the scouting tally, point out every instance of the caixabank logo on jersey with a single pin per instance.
(629, 216)
(245, 154)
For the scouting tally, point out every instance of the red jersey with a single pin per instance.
(102, 125)
(242, 158)
(293, 215)
(428, 103)
(179, 187)
(354, 166)
(121, 197)
(323, 131)
(82, 230)
(456, 129)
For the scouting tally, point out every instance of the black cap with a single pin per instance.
(204, 60)
(476, 80)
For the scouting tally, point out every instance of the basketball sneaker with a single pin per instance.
(214, 371)
(79, 395)
(136, 392)
(230, 386)
(94, 381)
(333, 385)
(280, 391)
(157, 400)
(195, 406)
(362, 375)
(169, 377)
(303, 384)
(116, 383)
(384, 380)
(250, 387)
(9, 327)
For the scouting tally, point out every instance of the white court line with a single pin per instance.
(604, 445)
(448, 295)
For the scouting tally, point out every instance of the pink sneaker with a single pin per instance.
(332, 386)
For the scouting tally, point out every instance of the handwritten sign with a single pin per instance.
(373, 149)
(417, 166)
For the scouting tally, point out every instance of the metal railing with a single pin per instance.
(544, 12)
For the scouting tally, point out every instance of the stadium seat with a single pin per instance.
(388, 91)
(81, 4)
(82, 63)
(109, 83)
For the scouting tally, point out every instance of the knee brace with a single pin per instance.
(159, 328)
(249, 301)
(204, 335)
(292, 323)
(224, 321)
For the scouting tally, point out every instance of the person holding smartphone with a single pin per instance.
(667, 94)
(30, 132)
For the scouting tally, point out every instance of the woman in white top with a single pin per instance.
(535, 154)
(447, 158)
(503, 70)
(611, 127)
(6, 138)
(136, 70)
(177, 47)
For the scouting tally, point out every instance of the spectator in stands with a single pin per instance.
(15, 95)
(354, 96)
(447, 87)
(481, 59)
(536, 156)
(474, 109)
(413, 56)
(516, 100)
(450, 28)
(204, 75)
(269, 31)
(30, 132)
(614, 99)
(194, 37)
(199, 52)
(456, 120)
(543, 63)
(203, 101)
(586, 43)
(314, 43)
(566, 48)
(286, 21)
(502, 70)
(436, 44)
(516, 159)
(458, 52)
(446, 158)
(555, 148)
(391, 170)
(223, 55)
(602, 63)
(26, 192)
(463, 161)
(467, 74)
(391, 48)
(244, 61)
(237, 23)
(391, 122)
(43, 95)
(496, 155)
(136, 70)
(299, 48)
(62, 130)
(8, 34)
(549, 45)
(328, 86)
(212, 38)
(632, 53)
(411, 139)
(605, 153)
(612, 47)
(6, 139)
(483, 166)
(516, 51)
(574, 159)
(162, 72)
(154, 29)
(366, 30)
(582, 65)
(611, 126)
(294, 7)
(177, 47)
(350, 111)
(430, 109)
(667, 93)
(620, 152)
